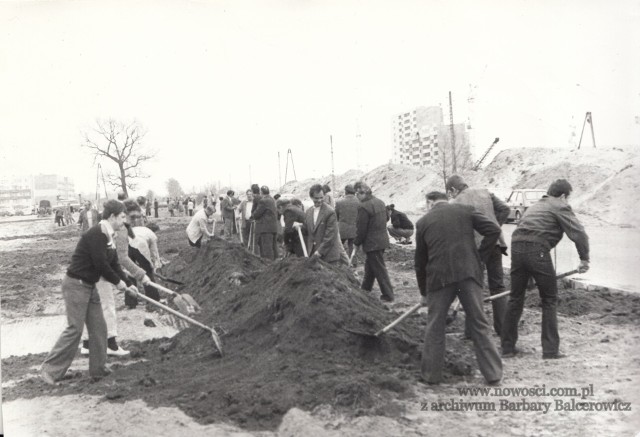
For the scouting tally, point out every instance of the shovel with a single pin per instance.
(304, 246)
(185, 303)
(390, 326)
(188, 319)
(172, 281)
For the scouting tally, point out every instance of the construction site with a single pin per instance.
(286, 361)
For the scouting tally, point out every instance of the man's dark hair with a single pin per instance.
(297, 202)
(456, 182)
(255, 188)
(436, 195)
(560, 187)
(264, 190)
(326, 189)
(348, 189)
(315, 188)
(283, 203)
(362, 186)
(276, 196)
(230, 193)
(112, 207)
(121, 195)
(249, 191)
(131, 206)
(141, 200)
(390, 207)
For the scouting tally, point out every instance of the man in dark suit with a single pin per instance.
(321, 226)
(228, 208)
(448, 264)
(292, 214)
(266, 227)
(245, 209)
(347, 213)
(371, 233)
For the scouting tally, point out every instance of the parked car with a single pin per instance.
(520, 200)
(7, 211)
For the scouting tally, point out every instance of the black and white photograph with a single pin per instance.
(319, 218)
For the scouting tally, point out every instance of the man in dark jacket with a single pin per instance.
(292, 214)
(95, 257)
(401, 227)
(266, 227)
(227, 208)
(371, 234)
(497, 211)
(539, 231)
(347, 213)
(447, 264)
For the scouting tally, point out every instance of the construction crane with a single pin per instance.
(587, 119)
(479, 162)
(286, 168)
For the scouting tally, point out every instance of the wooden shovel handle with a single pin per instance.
(411, 310)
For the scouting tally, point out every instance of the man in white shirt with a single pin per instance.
(245, 215)
(198, 226)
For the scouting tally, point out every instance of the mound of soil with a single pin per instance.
(285, 340)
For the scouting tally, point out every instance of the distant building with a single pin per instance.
(419, 136)
(26, 191)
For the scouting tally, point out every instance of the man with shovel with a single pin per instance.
(448, 264)
(539, 231)
(198, 227)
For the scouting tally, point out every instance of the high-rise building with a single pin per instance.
(26, 191)
(417, 136)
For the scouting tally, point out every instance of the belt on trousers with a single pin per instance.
(81, 282)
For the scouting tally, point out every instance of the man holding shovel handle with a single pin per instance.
(539, 231)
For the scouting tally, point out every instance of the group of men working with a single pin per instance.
(455, 241)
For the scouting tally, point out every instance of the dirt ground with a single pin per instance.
(290, 368)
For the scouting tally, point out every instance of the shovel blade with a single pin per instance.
(361, 333)
(191, 302)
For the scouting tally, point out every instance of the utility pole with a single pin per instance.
(279, 171)
(587, 119)
(333, 175)
(453, 137)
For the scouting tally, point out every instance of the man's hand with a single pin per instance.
(583, 266)
(503, 249)
(316, 254)
(423, 301)
(146, 280)
(132, 291)
(297, 225)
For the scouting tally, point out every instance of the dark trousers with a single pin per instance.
(246, 230)
(349, 246)
(495, 278)
(197, 244)
(374, 268)
(532, 260)
(267, 244)
(155, 210)
(470, 295)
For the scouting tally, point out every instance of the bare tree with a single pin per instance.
(173, 188)
(121, 143)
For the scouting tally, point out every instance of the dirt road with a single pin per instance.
(154, 392)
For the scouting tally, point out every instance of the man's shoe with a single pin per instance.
(386, 298)
(494, 382)
(555, 356)
(510, 354)
(47, 378)
(117, 352)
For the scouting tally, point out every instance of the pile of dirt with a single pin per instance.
(285, 340)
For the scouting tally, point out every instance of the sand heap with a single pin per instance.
(285, 342)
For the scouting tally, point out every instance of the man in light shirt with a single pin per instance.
(245, 214)
(198, 227)
(88, 217)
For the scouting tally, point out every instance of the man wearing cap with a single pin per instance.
(198, 227)
(497, 211)
(539, 231)
(401, 227)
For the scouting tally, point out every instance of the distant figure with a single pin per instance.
(328, 197)
(228, 206)
(88, 217)
(540, 229)
(155, 208)
(371, 234)
(401, 227)
(147, 209)
(190, 206)
(347, 213)
(59, 217)
(245, 215)
(266, 227)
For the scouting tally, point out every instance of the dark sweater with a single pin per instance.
(93, 259)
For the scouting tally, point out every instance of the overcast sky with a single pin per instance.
(223, 86)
